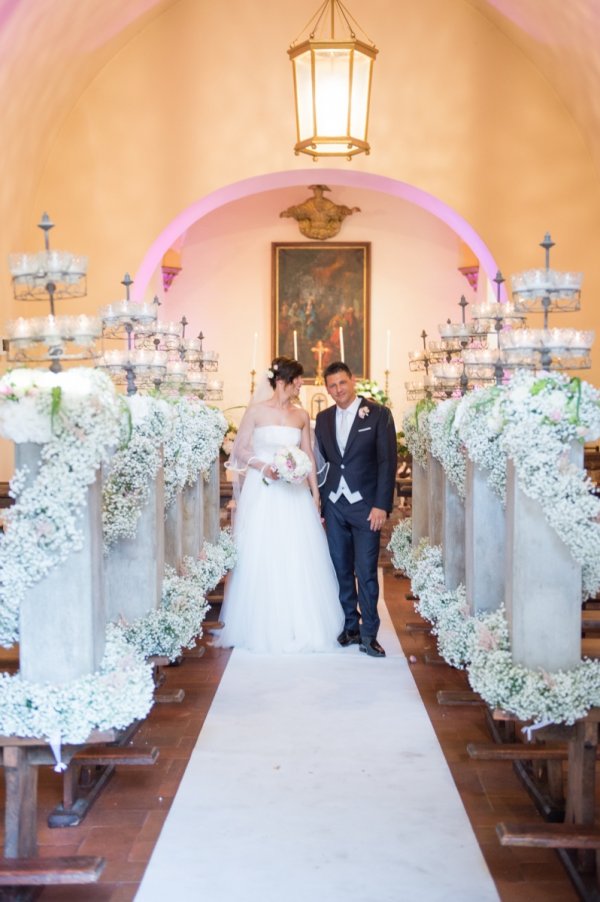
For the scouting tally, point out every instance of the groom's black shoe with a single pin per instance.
(372, 647)
(348, 637)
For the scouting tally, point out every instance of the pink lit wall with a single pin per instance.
(224, 288)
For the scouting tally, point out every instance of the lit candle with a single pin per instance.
(20, 328)
(342, 355)
(388, 343)
(295, 345)
(254, 349)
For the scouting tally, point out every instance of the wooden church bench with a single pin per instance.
(517, 751)
(549, 836)
(89, 770)
(50, 871)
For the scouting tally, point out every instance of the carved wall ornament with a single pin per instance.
(318, 217)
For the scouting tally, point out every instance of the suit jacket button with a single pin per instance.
(342, 466)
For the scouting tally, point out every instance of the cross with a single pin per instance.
(320, 350)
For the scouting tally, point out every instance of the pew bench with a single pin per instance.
(89, 770)
(50, 871)
(549, 836)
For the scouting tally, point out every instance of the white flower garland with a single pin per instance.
(132, 469)
(119, 693)
(479, 422)
(543, 415)
(177, 622)
(446, 444)
(481, 645)
(194, 436)
(78, 419)
(563, 696)
(416, 430)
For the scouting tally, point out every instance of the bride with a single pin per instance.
(282, 595)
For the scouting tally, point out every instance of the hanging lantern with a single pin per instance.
(332, 87)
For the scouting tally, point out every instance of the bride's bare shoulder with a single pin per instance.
(264, 415)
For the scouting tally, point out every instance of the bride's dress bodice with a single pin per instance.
(269, 439)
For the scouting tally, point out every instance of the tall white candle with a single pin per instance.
(295, 345)
(388, 343)
(342, 355)
(254, 349)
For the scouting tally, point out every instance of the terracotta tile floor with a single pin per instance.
(127, 818)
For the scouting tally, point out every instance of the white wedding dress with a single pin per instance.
(282, 595)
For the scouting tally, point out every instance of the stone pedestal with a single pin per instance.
(453, 536)
(420, 503)
(193, 519)
(543, 585)
(174, 533)
(435, 504)
(485, 537)
(212, 504)
(63, 618)
(135, 567)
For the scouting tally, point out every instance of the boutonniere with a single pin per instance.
(363, 412)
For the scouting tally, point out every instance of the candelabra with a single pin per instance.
(127, 320)
(50, 275)
(547, 291)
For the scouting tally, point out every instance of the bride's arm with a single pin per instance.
(242, 455)
(306, 446)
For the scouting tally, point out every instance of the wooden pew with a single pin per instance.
(89, 770)
(20, 866)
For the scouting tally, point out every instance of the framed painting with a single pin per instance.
(321, 305)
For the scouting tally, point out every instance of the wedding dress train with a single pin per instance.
(282, 596)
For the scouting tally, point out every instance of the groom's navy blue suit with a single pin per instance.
(368, 465)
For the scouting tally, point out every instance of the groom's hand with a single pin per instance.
(377, 518)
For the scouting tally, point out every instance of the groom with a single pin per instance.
(357, 439)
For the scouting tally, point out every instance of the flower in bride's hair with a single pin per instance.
(270, 373)
(275, 366)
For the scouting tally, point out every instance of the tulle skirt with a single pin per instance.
(282, 595)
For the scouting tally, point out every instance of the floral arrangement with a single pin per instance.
(78, 419)
(292, 464)
(560, 697)
(543, 416)
(177, 623)
(479, 421)
(366, 388)
(132, 469)
(446, 445)
(119, 693)
(401, 445)
(416, 431)
(481, 645)
(229, 438)
(194, 436)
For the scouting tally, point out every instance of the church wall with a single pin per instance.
(224, 287)
(200, 99)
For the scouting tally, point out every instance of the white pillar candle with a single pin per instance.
(342, 354)
(21, 328)
(388, 343)
(295, 345)
(254, 349)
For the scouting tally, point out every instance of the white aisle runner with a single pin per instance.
(318, 778)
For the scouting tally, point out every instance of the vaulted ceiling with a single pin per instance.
(51, 49)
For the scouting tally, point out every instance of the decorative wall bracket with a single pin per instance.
(317, 216)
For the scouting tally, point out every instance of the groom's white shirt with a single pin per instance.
(343, 425)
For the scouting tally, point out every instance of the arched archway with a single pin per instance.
(274, 180)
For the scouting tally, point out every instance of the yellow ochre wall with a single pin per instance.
(200, 98)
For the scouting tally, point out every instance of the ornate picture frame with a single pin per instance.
(319, 288)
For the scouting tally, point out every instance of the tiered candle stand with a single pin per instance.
(50, 275)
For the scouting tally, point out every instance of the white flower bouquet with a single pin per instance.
(292, 464)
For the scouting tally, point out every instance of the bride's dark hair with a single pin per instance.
(285, 369)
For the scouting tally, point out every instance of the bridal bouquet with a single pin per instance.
(292, 464)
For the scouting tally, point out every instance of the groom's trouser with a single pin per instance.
(354, 550)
